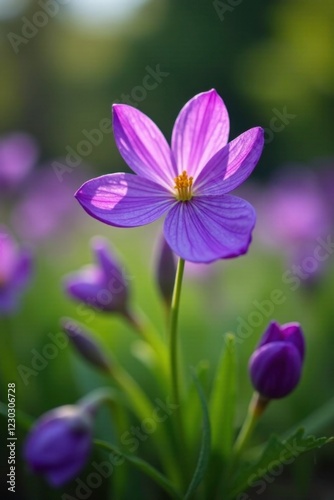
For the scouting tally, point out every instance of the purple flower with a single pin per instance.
(15, 272)
(47, 208)
(103, 286)
(189, 181)
(276, 365)
(59, 443)
(18, 154)
(294, 210)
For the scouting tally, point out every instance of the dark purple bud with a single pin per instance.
(166, 270)
(276, 365)
(85, 344)
(103, 286)
(59, 444)
(15, 272)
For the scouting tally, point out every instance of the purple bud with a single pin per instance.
(15, 272)
(103, 286)
(276, 365)
(85, 345)
(166, 269)
(59, 444)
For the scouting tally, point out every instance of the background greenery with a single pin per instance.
(261, 57)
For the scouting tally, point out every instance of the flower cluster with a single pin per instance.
(189, 182)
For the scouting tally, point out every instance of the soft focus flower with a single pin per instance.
(276, 365)
(59, 443)
(18, 154)
(103, 286)
(188, 181)
(15, 272)
(46, 207)
(86, 345)
(294, 209)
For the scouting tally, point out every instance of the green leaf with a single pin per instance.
(204, 454)
(277, 454)
(143, 466)
(222, 401)
(319, 419)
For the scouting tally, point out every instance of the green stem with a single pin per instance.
(173, 344)
(255, 410)
(147, 332)
(144, 409)
(145, 467)
(174, 362)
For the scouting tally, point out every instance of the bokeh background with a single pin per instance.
(272, 62)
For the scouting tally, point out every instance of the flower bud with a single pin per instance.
(275, 367)
(103, 286)
(59, 443)
(86, 346)
(165, 272)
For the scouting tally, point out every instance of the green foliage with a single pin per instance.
(276, 455)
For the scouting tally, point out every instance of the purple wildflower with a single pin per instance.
(59, 443)
(15, 272)
(276, 365)
(18, 154)
(103, 286)
(188, 181)
(46, 208)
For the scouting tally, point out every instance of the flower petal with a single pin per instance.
(86, 285)
(210, 228)
(143, 146)
(275, 369)
(201, 129)
(124, 200)
(232, 164)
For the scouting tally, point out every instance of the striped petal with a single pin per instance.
(143, 146)
(124, 200)
(200, 130)
(232, 164)
(210, 228)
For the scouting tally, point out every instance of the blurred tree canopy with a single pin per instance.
(271, 62)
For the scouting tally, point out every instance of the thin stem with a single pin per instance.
(147, 332)
(255, 410)
(173, 344)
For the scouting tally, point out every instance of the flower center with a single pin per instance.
(183, 185)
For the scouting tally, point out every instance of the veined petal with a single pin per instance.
(230, 166)
(209, 228)
(201, 129)
(124, 200)
(143, 146)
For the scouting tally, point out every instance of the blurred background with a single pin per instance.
(63, 64)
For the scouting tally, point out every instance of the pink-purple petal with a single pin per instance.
(124, 200)
(231, 166)
(210, 228)
(143, 146)
(201, 129)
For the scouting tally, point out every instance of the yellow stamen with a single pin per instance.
(183, 185)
